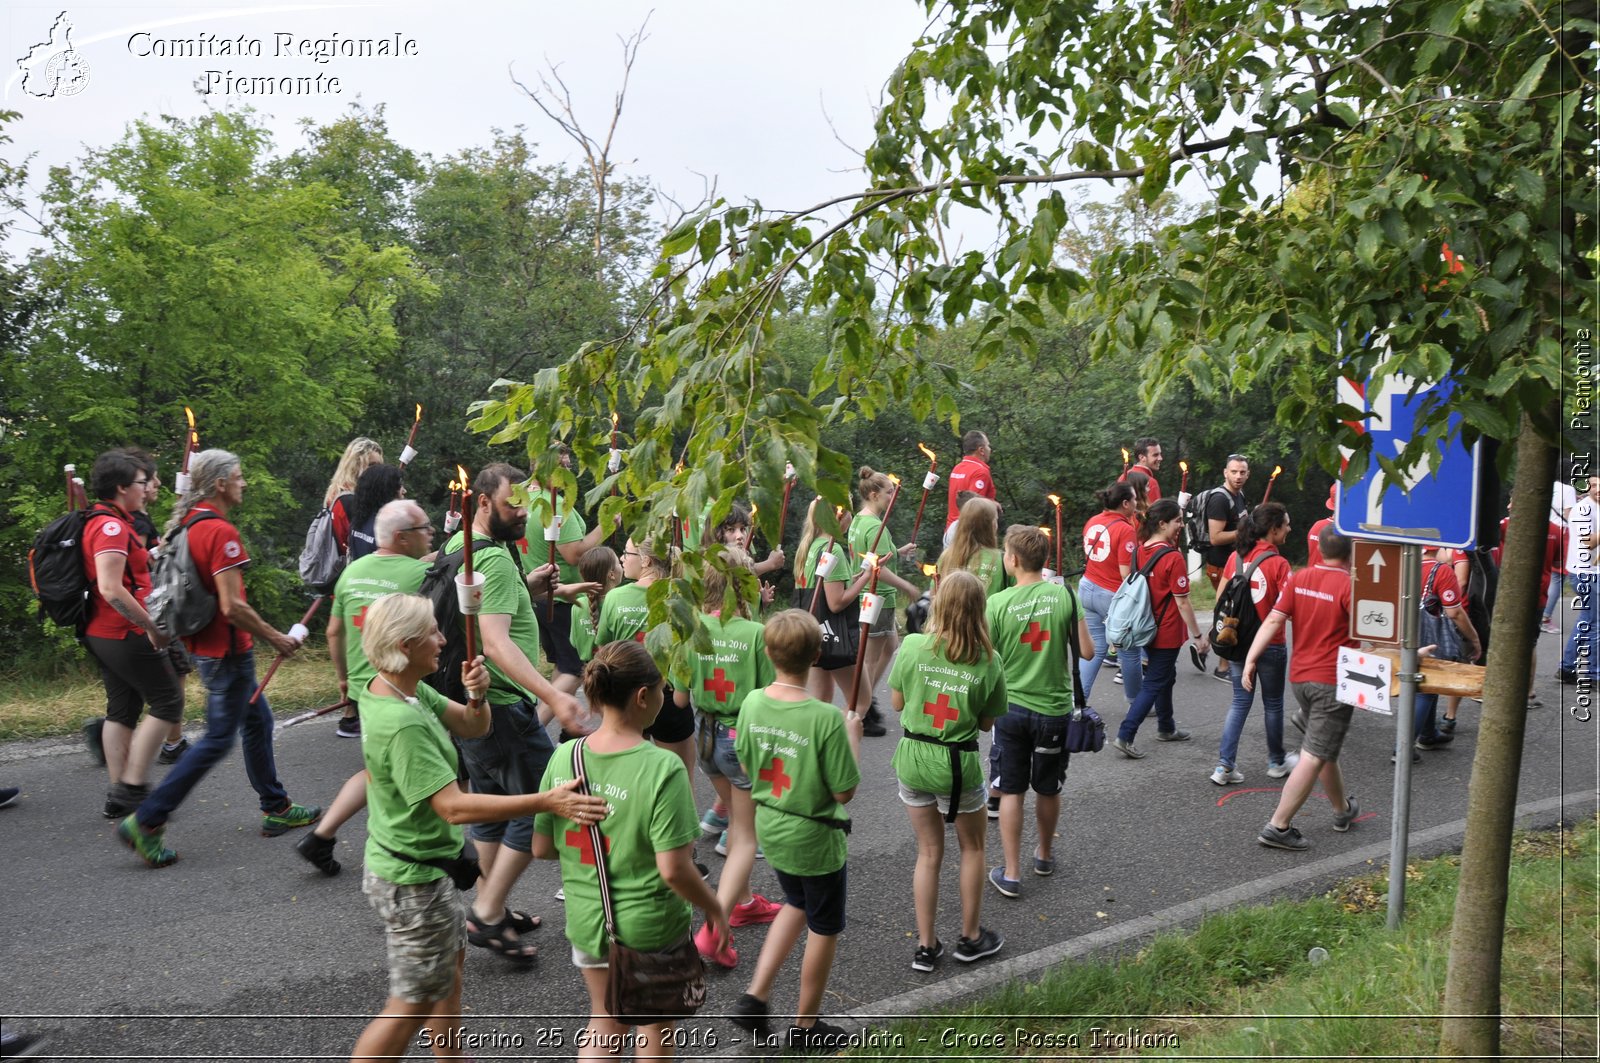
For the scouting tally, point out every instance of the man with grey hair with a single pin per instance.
(404, 537)
(224, 655)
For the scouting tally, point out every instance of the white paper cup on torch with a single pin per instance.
(452, 521)
(930, 481)
(552, 531)
(299, 632)
(180, 483)
(469, 596)
(788, 470)
(407, 454)
(871, 606)
(614, 462)
(825, 563)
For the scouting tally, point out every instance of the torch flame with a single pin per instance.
(194, 437)
(613, 419)
(189, 414)
(1276, 469)
(419, 412)
(872, 559)
(1183, 465)
(894, 480)
(930, 570)
(1046, 531)
(1124, 455)
(1055, 500)
(930, 455)
(463, 474)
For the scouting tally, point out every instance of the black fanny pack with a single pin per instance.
(956, 749)
(826, 821)
(463, 870)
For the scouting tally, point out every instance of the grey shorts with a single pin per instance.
(1325, 720)
(884, 625)
(585, 962)
(971, 800)
(510, 759)
(425, 928)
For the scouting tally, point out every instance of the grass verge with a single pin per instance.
(1242, 985)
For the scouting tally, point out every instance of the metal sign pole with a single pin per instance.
(1404, 716)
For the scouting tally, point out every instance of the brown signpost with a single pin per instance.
(1375, 591)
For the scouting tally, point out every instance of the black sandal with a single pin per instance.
(522, 922)
(492, 936)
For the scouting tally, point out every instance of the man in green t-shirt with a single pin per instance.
(574, 538)
(404, 535)
(1030, 625)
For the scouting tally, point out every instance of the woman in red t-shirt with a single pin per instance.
(359, 455)
(1108, 544)
(1175, 624)
(1261, 539)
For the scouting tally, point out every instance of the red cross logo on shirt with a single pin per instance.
(639, 637)
(941, 711)
(1035, 636)
(720, 685)
(361, 617)
(774, 775)
(580, 840)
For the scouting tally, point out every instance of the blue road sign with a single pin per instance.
(1437, 504)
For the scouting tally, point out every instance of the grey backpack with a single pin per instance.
(179, 603)
(321, 560)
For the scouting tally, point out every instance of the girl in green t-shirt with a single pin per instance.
(976, 546)
(876, 491)
(648, 837)
(599, 566)
(843, 584)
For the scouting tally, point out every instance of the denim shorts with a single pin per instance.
(821, 897)
(717, 756)
(425, 929)
(510, 759)
(971, 801)
(1033, 751)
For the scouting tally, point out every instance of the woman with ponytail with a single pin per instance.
(875, 490)
(1108, 545)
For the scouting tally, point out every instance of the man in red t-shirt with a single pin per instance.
(970, 474)
(223, 655)
(1317, 600)
(1313, 553)
(120, 636)
(1147, 459)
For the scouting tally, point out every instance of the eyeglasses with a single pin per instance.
(418, 527)
(1238, 457)
(140, 483)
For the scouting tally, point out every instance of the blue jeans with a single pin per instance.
(1579, 656)
(229, 682)
(1096, 603)
(1555, 594)
(1271, 669)
(1425, 723)
(1154, 692)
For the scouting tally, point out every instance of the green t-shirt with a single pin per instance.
(842, 572)
(864, 529)
(504, 594)
(719, 681)
(797, 756)
(1030, 626)
(583, 627)
(624, 614)
(573, 528)
(945, 700)
(651, 810)
(988, 564)
(363, 582)
(410, 758)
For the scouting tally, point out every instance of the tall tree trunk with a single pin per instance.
(1472, 986)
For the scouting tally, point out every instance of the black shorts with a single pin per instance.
(672, 724)
(1033, 751)
(137, 674)
(821, 897)
(555, 637)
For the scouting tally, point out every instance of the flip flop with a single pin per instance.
(1198, 658)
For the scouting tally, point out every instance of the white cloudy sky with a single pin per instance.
(742, 91)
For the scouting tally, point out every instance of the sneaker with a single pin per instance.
(1342, 820)
(1416, 758)
(122, 799)
(822, 1039)
(1225, 776)
(1042, 867)
(754, 912)
(994, 808)
(1447, 724)
(872, 724)
(1300, 720)
(987, 943)
(705, 874)
(1175, 735)
(561, 895)
(1534, 702)
(146, 843)
(1198, 658)
(925, 958)
(9, 795)
(1117, 679)
(748, 1013)
(172, 754)
(318, 851)
(1008, 887)
(1223, 677)
(1282, 838)
(1111, 656)
(1566, 675)
(91, 738)
(1283, 767)
(349, 727)
(721, 848)
(1438, 741)
(722, 953)
(1127, 749)
(1549, 627)
(290, 818)
(713, 822)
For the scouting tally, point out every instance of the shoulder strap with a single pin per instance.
(1433, 574)
(597, 841)
(1251, 571)
(1149, 566)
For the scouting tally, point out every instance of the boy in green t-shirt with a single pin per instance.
(803, 756)
(1030, 624)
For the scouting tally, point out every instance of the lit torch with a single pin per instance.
(409, 451)
(452, 515)
(928, 483)
(469, 585)
(191, 440)
(552, 532)
(1055, 500)
(72, 495)
(1124, 461)
(614, 459)
(932, 572)
(783, 510)
(1276, 469)
(1183, 484)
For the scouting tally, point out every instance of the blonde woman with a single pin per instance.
(842, 585)
(360, 455)
(876, 490)
(976, 546)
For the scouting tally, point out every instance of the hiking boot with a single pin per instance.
(1342, 820)
(1283, 767)
(1282, 838)
(172, 754)
(1127, 749)
(754, 912)
(146, 843)
(713, 822)
(318, 851)
(872, 724)
(823, 1038)
(721, 953)
(349, 727)
(91, 738)
(748, 1013)
(925, 958)
(1177, 734)
(1225, 776)
(289, 818)
(122, 799)
(1008, 887)
(987, 943)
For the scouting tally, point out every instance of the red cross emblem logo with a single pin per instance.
(941, 711)
(774, 775)
(580, 840)
(1035, 636)
(720, 685)
(639, 638)
(360, 618)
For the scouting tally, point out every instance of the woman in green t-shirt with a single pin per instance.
(414, 811)
(976, 546)
(876, 491)
(842, 585)
(649, 838)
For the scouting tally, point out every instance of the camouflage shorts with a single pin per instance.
(425, 928)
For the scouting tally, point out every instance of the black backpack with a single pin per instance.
(56, 570)
(1235, 621)
(1196, 528)
(439, 587)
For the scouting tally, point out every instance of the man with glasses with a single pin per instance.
(404, 537)
(1224, 510)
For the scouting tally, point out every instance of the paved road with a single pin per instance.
(241, 950)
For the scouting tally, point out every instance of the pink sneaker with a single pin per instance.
(754, 912)
(723, 956)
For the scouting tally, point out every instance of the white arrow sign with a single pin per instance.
(1377, 565)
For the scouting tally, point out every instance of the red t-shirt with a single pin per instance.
(1265, 584)
(1108, 543)
(1555, 554)
(1169, 579)
(341, 521)
(1313, 551)
(1317, 601)
(1154, 493)
(1445, 584)
(215, 547)
(110, 531)
(970, 474)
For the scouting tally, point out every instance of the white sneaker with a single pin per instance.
(1224, 776)
(1279, 771)
(561, 894)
